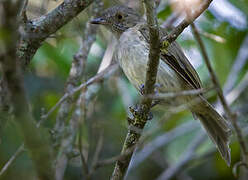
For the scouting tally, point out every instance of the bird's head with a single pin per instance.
(118, 19)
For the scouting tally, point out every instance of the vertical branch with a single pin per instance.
(34, 140)
(74, 78)
(67, 136)
(215, 80)
(66, 142)
(140, 118)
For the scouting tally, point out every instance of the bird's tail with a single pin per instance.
(216, 126)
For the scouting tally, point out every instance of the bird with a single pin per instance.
(175, 73)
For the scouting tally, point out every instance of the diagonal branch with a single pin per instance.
(232, 117)
(172, 36)
(12, 159)
(97, 78)
(34, 32)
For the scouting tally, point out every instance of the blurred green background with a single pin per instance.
(223, 29)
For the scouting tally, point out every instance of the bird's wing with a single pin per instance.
(175, 58)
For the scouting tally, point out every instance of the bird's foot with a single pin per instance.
(142, 88)
(156, 86)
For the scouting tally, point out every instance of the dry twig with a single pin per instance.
(36, 143)
(231, 116)
(18, 152)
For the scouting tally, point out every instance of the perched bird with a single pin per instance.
(175, 73)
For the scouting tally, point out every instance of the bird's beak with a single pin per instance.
(98, 20)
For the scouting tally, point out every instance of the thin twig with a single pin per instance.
(74, 78)
(97, 153)
(79, 117)
(84, 162)
(215, 80)
(98, 77)
(37, 145)
(12, 159)
(214, 37)
(172, 36)
(113, 159)
(18, 152)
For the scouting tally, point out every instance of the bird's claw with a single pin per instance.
(149, 116)
(142, 88)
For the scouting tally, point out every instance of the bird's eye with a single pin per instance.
(119, 16)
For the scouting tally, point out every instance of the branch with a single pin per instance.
(65, 143)
(98, 77)
(215, 80)
(139, 121)
(97, 153)
(37, 30)
(74, 78)
(34, 140)
(113, 159)
(172, 36)
(12, 159)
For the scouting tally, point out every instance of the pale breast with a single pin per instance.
(132, 55)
